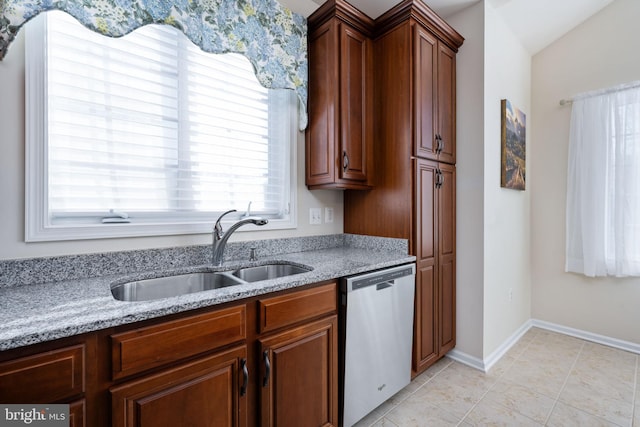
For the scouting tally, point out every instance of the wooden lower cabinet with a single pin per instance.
(435, 316)
(205, 392)
(300, 382)
(425, 345)
(45, 377)
(77, 412)
(205, 368)
(50, 374)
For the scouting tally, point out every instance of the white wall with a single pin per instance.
(601, 52)
(507, 71)
(493, 258)
(469, 181)
(12, 243)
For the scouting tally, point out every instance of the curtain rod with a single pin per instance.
(618, 88)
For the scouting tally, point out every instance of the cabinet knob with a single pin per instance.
(345, 161)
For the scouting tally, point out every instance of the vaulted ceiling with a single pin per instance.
(536, 23)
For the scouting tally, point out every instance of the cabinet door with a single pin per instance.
(435, 314)
(435, 98)
(300, 376)
(447, 257)
(425, 91)
(355, 105)
(205, 392)
(339, 138)
(322, 133)
(446, 128)
(426, 234)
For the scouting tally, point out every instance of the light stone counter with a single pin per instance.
(33, 313)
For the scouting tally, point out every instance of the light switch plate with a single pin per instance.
(315, 216)
(328, 215)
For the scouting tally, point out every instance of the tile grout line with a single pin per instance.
(564, 384)
(476, 404)
(495, 383)
(409, 395)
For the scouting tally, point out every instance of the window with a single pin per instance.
(603, 184)
(148, 135)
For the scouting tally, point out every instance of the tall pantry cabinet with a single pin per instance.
(414, 181)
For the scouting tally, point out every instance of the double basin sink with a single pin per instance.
(171, 286)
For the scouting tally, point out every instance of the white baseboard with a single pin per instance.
(588, 336)
(486, 364)
(466, 359)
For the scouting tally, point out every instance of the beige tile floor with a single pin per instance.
(545, 379)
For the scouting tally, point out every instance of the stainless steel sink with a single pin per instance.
(171, 286)
(269, 271)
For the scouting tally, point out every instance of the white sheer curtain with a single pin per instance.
(603, 183)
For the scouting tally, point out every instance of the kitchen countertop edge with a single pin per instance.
(50, 311)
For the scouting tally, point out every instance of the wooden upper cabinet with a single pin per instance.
(355, 119)
(435, 94)
(339, 149)
(446, 111)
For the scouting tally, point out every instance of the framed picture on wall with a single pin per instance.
(513, 165)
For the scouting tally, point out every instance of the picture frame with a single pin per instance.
(513, 142)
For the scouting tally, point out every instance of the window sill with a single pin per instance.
(51, 233)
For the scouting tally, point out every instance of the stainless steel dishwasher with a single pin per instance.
(377, 310)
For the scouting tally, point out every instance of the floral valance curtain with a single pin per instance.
(272, 37)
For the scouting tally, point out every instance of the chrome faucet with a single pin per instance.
(220, 237)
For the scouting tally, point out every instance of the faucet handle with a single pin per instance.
(218, 227)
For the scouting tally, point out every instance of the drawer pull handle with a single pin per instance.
(267, 368)
(439, 178)
(345, 161)
(439, 143)
(245, 376)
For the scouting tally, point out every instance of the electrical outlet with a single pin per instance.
(315, 216)
(328, 215)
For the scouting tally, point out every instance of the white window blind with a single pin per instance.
(150, 126)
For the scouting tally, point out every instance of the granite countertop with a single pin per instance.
(46, 311)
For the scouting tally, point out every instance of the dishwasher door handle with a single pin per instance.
(384, 285)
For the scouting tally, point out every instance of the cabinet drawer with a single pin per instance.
(43, 378)
(298, 306)
(154, 346)
(77, 412)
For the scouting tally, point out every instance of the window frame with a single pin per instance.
(38, 226)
